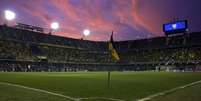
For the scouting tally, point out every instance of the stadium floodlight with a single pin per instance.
(9, 15)
(55, 25)
(86, 32)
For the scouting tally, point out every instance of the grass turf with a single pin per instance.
(125, 85)
(187, 94)
(10, 93)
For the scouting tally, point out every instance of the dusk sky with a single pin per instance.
(129, 19)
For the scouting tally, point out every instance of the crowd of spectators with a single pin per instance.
(23, 45)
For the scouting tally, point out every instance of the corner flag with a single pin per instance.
(112, 51)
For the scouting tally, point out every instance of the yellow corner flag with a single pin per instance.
(112, 51)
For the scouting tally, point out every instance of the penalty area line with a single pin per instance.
(169, 91)
(40, 90)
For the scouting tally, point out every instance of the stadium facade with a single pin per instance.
(29, 50)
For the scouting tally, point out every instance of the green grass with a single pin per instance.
(187, 94)
(10, 93)
(125, 85)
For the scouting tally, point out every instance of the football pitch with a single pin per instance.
(92, 86)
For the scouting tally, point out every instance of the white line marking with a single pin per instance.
(57, 94)
(103, 98)
(40, 90)
(168, 91)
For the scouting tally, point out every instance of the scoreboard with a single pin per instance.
(175, 27)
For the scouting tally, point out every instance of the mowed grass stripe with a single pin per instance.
(150, 97)
(125, 85)
(12, 93)
(40, 90)
(192, 93)
(59, 95)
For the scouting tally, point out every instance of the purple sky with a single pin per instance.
(130, 19)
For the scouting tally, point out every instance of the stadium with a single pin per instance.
(25, 50)
(35, 65)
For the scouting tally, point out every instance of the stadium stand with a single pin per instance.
(26, 50)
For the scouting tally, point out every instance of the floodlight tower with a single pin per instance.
(54, 26)
(9, 16)
(86, 32)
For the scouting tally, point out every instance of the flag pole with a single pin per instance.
(109, 71)
(113, 55)
(109, 79)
